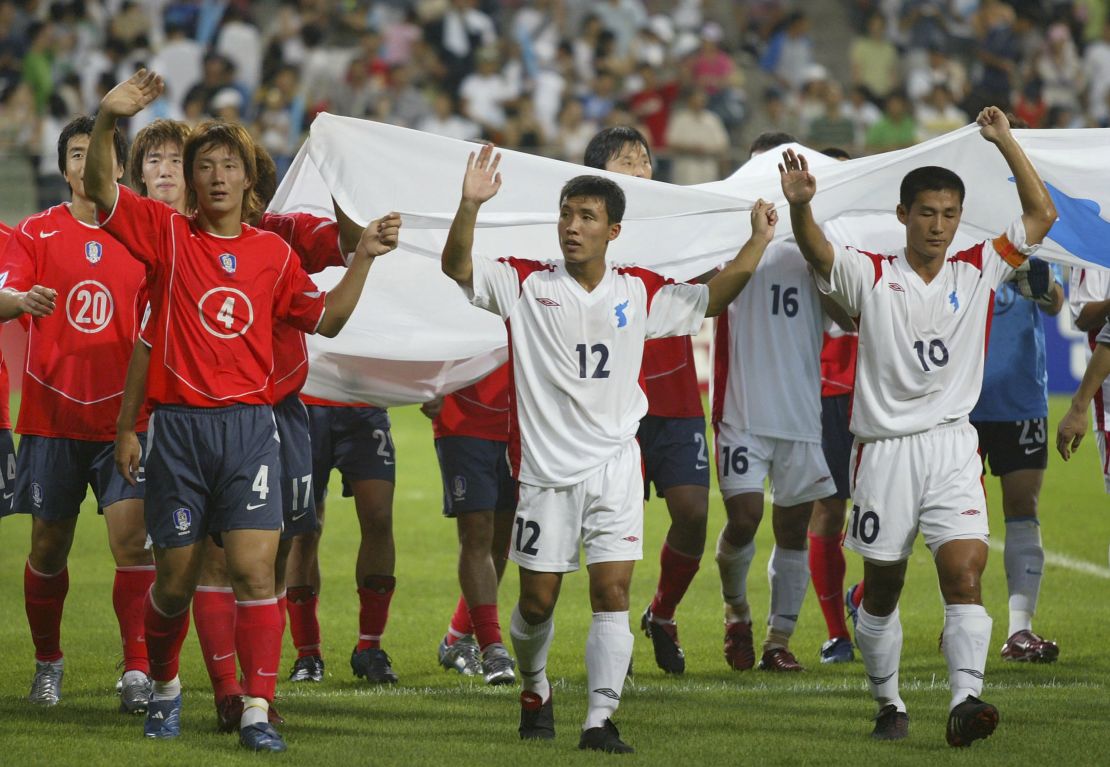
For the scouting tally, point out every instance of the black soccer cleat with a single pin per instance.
(537, 717)
(970, 721)
(891, 724)
(604, 738)
(669, 655)
(373, 665)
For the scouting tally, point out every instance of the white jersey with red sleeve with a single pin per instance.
(216, 301)
(576, 358)
(767, 351)
(1087, 286)
(5, 413)
(922, 347)
(77, 356)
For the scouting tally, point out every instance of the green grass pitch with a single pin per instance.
(1055, 714)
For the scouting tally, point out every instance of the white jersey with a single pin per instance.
(1086, 286)
(576, 358)
(767, 351)
(922, 347)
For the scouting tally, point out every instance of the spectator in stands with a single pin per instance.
(896, 129)
(789, 52)
(38, 63)
(486, 91)
(833, 127)
(651, 104)
(446, 120)
(575, 131)
(698, 141)
(1096, 72)
(938, 69)
(1058, 66)
(457, 37)
(875, 61)
(938, 114)
(999, 58)
(182, 61)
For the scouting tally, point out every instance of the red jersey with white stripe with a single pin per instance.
(5, 412)
(216, 302)
(480, 410)
(1087, 286)
(671, 378)
(767, 351)
(316, 241)
(838, 361)
(77, 356)
(576, 358)
(922, 347)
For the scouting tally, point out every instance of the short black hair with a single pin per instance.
(599, 188)
(83, 126)
(608, 143)
(767, 141)
(836, 153)
(930, 178)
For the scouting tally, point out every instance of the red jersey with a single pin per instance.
(670, 378)
(480, 410)
(838, 363)
(5, 412)
(316, 241)
(220, 296)
(77, 357)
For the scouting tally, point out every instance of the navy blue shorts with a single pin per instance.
(210, 470)
(356, 440)
(1013, 445)
(836, 441)
(298, 502)
(476, 475)
(7, 473)
(675, 453)
(53, 475)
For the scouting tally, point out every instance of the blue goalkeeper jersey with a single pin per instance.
(1015, 380)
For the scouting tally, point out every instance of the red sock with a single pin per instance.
(487, 627)
(373, 610)
(214, 617)
(44, 597)
(258, 643)
(164, 636)
(304, 626)
(283, 618)
(826, 569)
(675, 573)
(128, 594)
(857, 595)
(460, 625)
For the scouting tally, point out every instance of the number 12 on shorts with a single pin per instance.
(527, 532)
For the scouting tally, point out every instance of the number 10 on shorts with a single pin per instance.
(865, 526)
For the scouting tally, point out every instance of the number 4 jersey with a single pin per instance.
(575, 356)
(77, 356)
(921, 346)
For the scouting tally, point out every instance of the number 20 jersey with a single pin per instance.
(921, 347)
(575, 357)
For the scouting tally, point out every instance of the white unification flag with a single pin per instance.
(414, 336)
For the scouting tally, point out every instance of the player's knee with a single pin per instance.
(536, 608)
(961, 588)
(609, 597)
(253, 583)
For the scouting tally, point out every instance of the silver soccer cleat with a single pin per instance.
(135, 694)
(46, 687)
(497, 665)
(463, 656)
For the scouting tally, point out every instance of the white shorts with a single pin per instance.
(1100, 438)
(932, 481)
(798, 470)
(604, 513)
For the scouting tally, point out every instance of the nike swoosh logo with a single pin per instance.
(388, 463)
(298, 517)
(700, 466)
(260, 672)
(1031, 450)
(219, 658)
(44, 235)
(8, 495)
(253, 506)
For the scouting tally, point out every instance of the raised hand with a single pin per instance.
(132, 95)
(38, 301)
(798, 184)
(380, 236)
(432, 408)
(1070, 431)
(482, 180)
(764, 219)
(993, 124)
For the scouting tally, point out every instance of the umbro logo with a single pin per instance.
(970, 513)
(878, 680)
(630, 538)
(608, 693)
(895, 287)
(547, 302)
(972, 672)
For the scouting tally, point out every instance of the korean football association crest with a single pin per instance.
(94, 251)
(182, 520)
(227, 261)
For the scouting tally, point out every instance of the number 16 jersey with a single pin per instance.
(575, 356)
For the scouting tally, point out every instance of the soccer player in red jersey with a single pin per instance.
(81, 290)
(7, 445)
(472, 439)
(671, 435)
(217, 287)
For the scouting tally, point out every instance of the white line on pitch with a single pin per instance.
(1068, 563)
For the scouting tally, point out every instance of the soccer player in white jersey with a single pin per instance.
(767, 423)
(1089, 300)
(924, 316)
(576, 337)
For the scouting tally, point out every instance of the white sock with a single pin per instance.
(1024, 559)
(166, 690)
(788, 574)
(967, 635)
(880, 643)
(608, 650)
(734, 563)
(255, 711)
(531, 643)
(133, 676)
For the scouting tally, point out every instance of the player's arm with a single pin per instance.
(1093, 315)
(128, 452)
(38, 302)
(1038, 214)
(799, 186)
(480, 183)
(1072, 427)
(349, 231)
(836, 313)
(727, 283)
(378, 238)
(126, 99)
